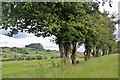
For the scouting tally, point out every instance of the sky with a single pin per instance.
(22, 39)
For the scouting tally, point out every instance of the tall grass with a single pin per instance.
(102, 67)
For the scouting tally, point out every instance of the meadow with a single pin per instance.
(70, 25)
(100, 67)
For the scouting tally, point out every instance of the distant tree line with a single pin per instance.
(24, 57)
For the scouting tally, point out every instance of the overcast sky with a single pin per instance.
(22, 39)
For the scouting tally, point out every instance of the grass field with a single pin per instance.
(101, 67)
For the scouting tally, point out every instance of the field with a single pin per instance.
(67, 27)
(101, 67)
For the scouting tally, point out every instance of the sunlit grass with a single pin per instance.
(102, 67)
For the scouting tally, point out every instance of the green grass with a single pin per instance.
(41, 53)
(101, 67)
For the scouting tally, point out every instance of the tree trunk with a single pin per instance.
(88, 48)
(87, 54)
(110, 50)
(67, 48)
(97, 53)
(94, 52)
(104, 52)
(62, 55)
(73, 55)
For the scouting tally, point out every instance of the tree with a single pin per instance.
(59, 19)
(118, 46)
(100, 35)
(70, 23)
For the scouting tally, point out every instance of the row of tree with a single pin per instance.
(72, 24)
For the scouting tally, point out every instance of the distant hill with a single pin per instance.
(36, 46)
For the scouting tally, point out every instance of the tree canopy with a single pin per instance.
(69, 22)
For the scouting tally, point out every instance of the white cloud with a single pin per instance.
(112, 9)
(21, 42)
(6, 41)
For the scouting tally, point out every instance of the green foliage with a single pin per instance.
(68, 22)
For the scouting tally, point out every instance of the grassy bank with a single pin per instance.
(101, 67)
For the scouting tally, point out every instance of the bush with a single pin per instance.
(4, 56)
(28, 58)
(45, 58)
(38, 57)
(21, 58)
(52, 57)
(48, 50)
(9, 59)
(33, 58)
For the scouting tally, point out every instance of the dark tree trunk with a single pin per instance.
(67, 48)
(110, 50)
(97, 53)
(94, 52)
(87, 54)
(104, 52)
(62, 55)
(88, 48)
(73, 55)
